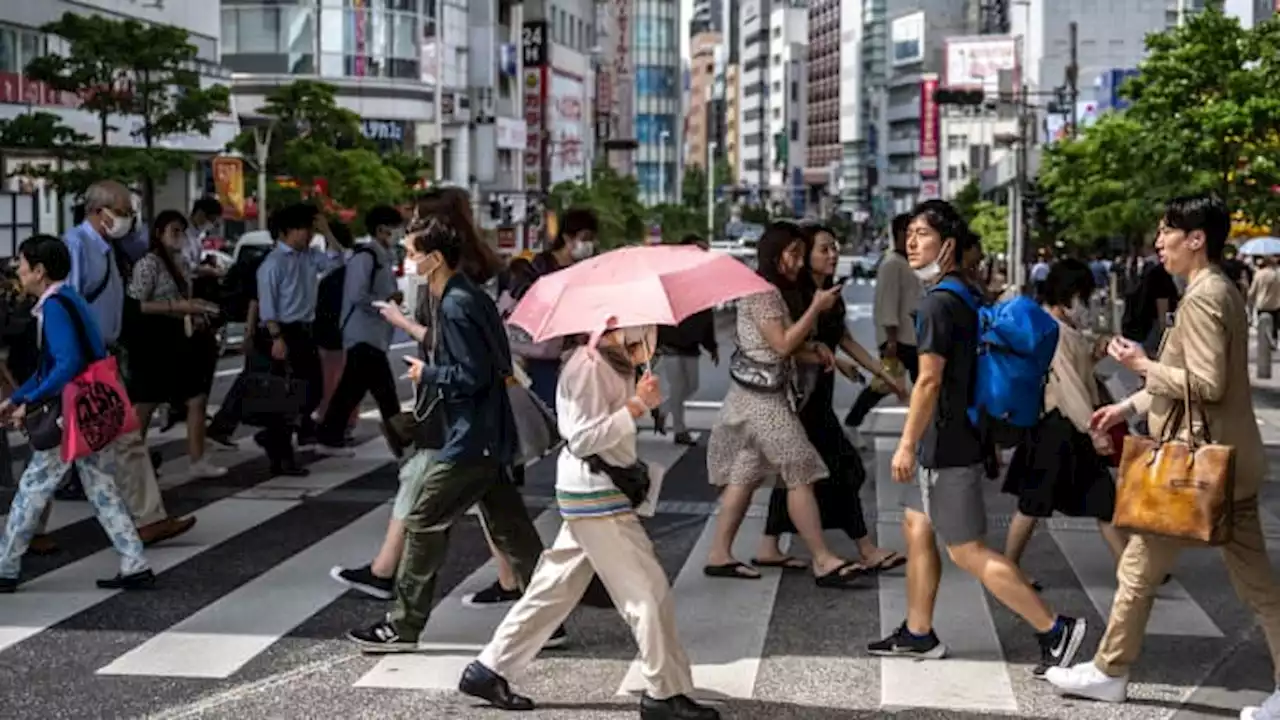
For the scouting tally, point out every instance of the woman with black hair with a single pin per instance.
(1060, 467)
(758, 434)
(837, 495)
(170, 320)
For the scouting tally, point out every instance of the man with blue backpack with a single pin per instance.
(977, 363)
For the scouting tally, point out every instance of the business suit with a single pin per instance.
(1209, 343)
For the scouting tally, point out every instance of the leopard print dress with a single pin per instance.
(758, 436)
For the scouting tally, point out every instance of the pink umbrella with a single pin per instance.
(655, 285)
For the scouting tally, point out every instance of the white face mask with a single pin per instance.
(583, 250)
(117, 227)
(929, 272)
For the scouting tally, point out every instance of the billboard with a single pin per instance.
(929, 127)
(906, 39)
(974, 63)
(566, 122)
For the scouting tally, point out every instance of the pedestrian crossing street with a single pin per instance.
(246, 622)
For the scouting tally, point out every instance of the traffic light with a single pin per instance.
(954, 96)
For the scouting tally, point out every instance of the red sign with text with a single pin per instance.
(929, 127)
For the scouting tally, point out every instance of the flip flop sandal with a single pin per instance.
(892, 561)
(733, 570)
(845, 576)
(786, 563)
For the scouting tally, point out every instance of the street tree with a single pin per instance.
(125, 69)
(991, 223)
(615, 200)
(317, 146)
(967, 199)
(694, 192)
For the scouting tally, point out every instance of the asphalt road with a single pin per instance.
(245, 623)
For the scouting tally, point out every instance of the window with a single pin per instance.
(656, 81)
(651, 126)
(795, 130)
(655, 33)
(648, 176)
(795, 91)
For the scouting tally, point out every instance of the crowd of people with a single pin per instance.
(321, 316)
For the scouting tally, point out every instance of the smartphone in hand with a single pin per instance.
(380, 304)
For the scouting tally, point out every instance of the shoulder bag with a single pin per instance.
(757, 375)
(632, 480)
(1176, 489)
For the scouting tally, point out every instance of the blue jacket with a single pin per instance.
(61, 356)
(472, 364)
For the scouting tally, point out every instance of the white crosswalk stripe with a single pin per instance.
(732, 630)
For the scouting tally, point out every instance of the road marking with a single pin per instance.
(63, 593)
(1175, 611)
(975, 676)
(454, 634)
(224, 636)
(722, 622)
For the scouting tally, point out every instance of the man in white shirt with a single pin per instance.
(897, 294)
(204, 217)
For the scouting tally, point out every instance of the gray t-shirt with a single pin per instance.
(948, 327)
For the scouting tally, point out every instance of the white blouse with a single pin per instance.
(593, 419)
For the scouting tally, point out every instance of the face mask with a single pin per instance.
(117, 227)
(929, 272)
(583, 250)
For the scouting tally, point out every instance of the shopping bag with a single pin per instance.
(95, 410)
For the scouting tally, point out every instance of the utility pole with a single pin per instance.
(711, 190)
(262, 147)
(1073, 77)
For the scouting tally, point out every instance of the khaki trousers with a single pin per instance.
(617, 549)
(1146, 561)
(135, 480)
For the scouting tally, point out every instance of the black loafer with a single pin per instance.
(480, 682)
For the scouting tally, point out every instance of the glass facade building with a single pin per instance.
(655, 52)
(328, 38)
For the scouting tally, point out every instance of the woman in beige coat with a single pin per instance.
(1207, 347)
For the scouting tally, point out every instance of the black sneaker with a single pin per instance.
(676, 707)
(8, 586)
(363, 580)
(491, 596)
(1059, 646)
(901, 643)
(135, 581)
(381, 638)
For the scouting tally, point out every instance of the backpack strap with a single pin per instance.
(92, 296)
(373, 275)
(82, 334)
(955, 287)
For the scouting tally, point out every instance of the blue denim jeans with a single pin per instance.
(35, 490)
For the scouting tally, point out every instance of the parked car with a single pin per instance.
(865, 266)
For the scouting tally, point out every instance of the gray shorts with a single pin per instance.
(952, 498)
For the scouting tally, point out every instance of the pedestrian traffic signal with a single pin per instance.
(953, 96)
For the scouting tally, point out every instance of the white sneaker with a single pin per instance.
(1087, 681)
(1269, 710)
(203, 469)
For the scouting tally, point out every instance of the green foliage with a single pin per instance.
(678, 221)
(694, 194)
(118, 68)
(1204, 117)
(757, 215)
(967, 199)
(312, 138)
(991, 223)
(615, 200)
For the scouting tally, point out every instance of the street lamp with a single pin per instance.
(261, 148)
(711, 190)
(662, 165)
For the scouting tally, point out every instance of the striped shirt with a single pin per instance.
(595, 503)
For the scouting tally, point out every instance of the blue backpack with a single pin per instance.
(1016, 343)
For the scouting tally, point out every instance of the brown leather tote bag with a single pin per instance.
(1176, 489)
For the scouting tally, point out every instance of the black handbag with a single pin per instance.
(756, 375)
(270, 398)
(632, 480)
(43, 424)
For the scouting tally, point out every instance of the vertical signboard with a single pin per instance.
(228, 181)
(929, 127)
(533, 50)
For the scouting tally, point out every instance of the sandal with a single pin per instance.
(845, 576)
(892, 561)
(786, 562)
(734, 570)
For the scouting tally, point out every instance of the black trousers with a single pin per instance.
(302, 361)
(367, 370)
(868, 398)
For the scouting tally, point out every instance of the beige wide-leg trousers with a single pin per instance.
(618, 550)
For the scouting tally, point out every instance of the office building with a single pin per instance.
(823, 101)
(787, 104)
(753, 85)
(912, 120)
(655, 52)
(26, 205)
(704, 111)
